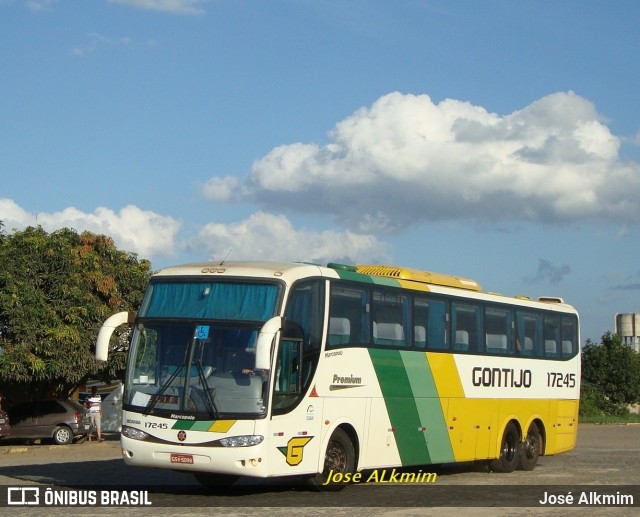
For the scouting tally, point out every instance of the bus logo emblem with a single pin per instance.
(182, 436)
(294, 449)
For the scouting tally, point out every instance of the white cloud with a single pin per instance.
(406, 159)
(141, 231)
(264, 236)
(221, 189)
(167, 6)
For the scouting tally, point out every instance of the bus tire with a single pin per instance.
(509, 451)
(211, 480)
(531, 448)
(340, 457)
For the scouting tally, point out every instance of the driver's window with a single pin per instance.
(305, 311)
(288, 369)
(287, 387)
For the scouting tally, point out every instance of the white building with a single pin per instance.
(627, 326)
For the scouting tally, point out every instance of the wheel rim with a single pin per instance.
(335, 459)
(530, 446)
(62, 435)
(509, 447)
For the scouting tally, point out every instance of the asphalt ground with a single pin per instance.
(605, 460)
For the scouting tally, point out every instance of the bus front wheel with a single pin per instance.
(509, 451)
(339, 460)
(530, 448)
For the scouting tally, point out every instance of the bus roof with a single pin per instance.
(416, 275)
(291, 271)
(242, 268)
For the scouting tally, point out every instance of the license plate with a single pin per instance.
(181, 458)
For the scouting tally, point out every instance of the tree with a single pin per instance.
(55, 291)
(610, 376)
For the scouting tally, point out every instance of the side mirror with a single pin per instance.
(265, 339)
(106, 331)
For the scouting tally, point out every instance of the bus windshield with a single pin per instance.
(193, 350)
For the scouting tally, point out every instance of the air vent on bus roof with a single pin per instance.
(550, 299)
(417, 275)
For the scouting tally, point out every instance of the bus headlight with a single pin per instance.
(133, 433)
(241, 441)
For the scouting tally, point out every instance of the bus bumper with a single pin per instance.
(238, 461)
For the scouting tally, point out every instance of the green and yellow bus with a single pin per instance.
(273, 369)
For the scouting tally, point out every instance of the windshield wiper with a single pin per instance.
(207, 389)
(154, 400)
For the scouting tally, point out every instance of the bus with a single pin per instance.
(264, 370)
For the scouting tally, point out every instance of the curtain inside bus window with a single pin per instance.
(437, 326)
(231, 301)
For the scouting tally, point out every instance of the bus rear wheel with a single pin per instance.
(530, 448)
(339, 459)
(509, 451)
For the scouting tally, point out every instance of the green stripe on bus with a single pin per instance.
(380, 280)
(357, 277)
(202, 425)
(401, 406)
(368, 279)
(429, 407)
(184, 425)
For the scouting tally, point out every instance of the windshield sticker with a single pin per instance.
(140, 399)
(202, 332)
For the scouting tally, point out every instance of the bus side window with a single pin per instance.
(389, 334)
(305, 310)
(569, 336)
(339, 331)
(349, 306)
(551, 336)
(529, 331)
(391, 316)
(419, 336)
(420, 321)
(466, 324)
(498, 331)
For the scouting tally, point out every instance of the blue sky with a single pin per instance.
(497, 140)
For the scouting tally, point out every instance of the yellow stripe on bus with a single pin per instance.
(222, 426)
(445, 375)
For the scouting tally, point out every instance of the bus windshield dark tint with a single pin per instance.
(211, 300)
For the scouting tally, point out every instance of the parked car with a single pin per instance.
(60, 420)
(5, 428)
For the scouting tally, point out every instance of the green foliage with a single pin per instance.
(610, 377)
(55, 291)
